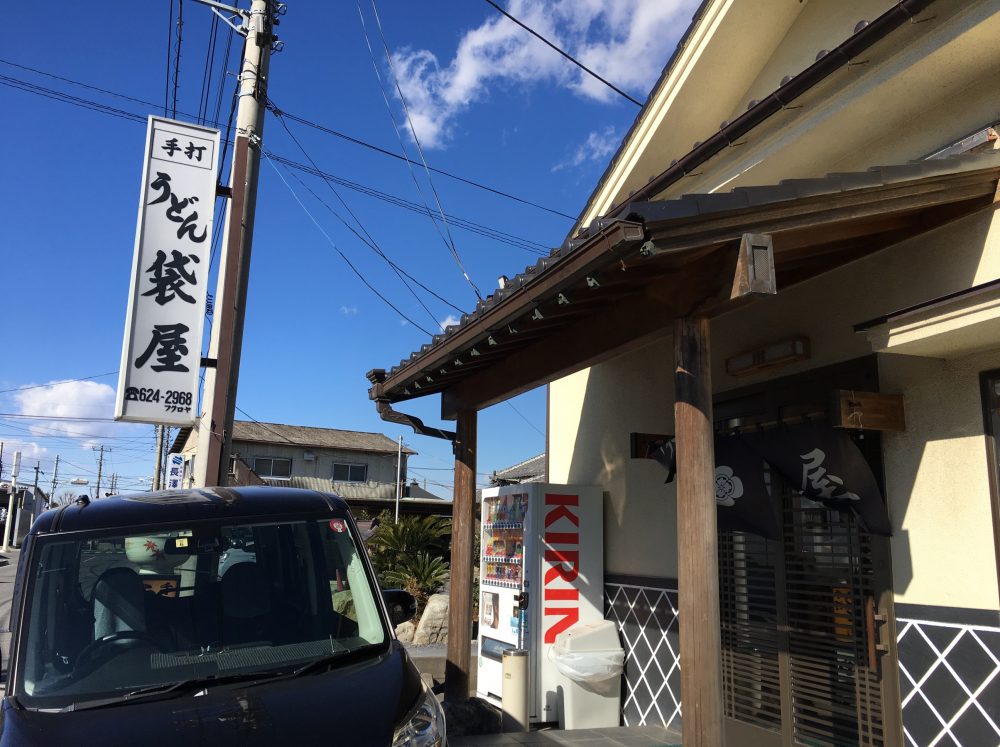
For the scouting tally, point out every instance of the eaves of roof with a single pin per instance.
(530, 307)
(826, 63)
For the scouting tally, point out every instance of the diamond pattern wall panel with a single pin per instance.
(949, 677)
(647, 620)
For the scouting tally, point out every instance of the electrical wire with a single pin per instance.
(367, 239)
(265, 426)
(206, 76)
(57, 383)
(521, 415)
(502, 236)
(177, 56)
(170, 45)
(391, 263)
(442, 172)
(343, 256)
(565, 54)
(420, 150)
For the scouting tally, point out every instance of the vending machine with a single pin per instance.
(541, 571)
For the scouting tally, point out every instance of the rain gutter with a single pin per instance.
(377, 377)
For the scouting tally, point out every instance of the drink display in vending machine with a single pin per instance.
(541, 571)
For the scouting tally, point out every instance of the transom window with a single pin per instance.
(272, 467)
(350, 472)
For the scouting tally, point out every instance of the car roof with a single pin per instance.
(178, 506)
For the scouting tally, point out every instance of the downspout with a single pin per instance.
(377, 376)
(822, 68)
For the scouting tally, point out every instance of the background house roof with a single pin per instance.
(530, 470)
(322, 438)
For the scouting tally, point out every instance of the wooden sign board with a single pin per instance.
(870, 411)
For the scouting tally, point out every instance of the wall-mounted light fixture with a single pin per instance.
(771, 355)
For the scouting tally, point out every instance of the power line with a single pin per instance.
(170, 45)
(503, 237)
(369, 241)
(177, 56)
(343, 256)
(565, 54)
(299, 120)
(57, 383)
(420, 150)
(521, 415)
(391, 263)
(528, 245)
(468, 225)
(442, 172)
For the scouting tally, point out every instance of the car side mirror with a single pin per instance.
(402, 606)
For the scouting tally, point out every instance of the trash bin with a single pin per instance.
(591, 659)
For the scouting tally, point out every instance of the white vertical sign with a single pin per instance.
(175, 471)
(161, 355)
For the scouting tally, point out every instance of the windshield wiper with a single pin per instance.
(324, 663)
(170, 689)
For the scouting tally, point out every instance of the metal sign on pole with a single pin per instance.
(161, 353)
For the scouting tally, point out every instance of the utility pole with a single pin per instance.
(215, 431)
(55, 477)
(399, 475)
(159, 457)
(10, 502)
(100, 466)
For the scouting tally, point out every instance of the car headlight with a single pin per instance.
(424, 726)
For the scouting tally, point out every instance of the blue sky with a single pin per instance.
(489, 103)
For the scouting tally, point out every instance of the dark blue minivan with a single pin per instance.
(245, 616)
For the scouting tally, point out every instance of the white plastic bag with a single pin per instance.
(588, 666)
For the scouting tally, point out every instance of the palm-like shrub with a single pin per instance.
(421, 575)
(411, 554)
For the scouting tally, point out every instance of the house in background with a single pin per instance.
(530, 470)
(353, 464)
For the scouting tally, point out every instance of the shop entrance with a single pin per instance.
(802, 620)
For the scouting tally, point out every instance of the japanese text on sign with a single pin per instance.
(166, 309)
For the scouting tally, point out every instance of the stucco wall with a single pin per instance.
(593, 412)
(381, 467)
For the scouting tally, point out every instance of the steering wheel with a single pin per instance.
(96, 652)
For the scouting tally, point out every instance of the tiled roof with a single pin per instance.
(323, 438)
(530, 470)
(641, 217)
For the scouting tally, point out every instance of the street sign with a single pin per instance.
(175, 471)
(161, 354)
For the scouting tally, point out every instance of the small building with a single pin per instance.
(353, 464)
(787, 286)
(530, 470)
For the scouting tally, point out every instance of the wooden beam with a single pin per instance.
(697, 539)
(606, 333)
(457, 664)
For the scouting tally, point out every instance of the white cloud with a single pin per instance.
(627, 42)
(71, 399)
(449, 321)
(349, 310)
(597, 147)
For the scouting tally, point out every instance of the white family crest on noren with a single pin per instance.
(728, 487)
(815, 478)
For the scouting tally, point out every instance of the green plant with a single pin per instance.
(421, 575)
(412, 554)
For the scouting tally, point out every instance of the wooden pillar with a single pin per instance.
(456, 673)
(697, 541)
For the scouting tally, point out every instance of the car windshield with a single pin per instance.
(112, 614)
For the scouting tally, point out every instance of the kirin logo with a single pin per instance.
(563, 553)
